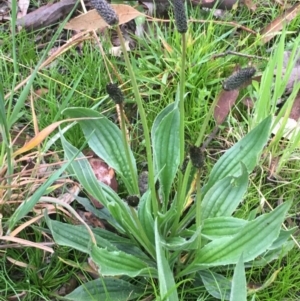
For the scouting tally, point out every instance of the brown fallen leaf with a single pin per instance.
(23, 7)
(92, 20)
(250, 5)
(276, 25)
(103, 173)
(293, 79)
(295, 111)
(226, 100)
(294, 76)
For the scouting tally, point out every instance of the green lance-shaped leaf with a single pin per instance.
(120, 211)
(246, 150)
(105, 139)
(239, 286)
(117, 263)
(218, 227)
(73, 236)
(85, 175)
(106, 289)
(167, 286)
(216, 285)
(224, 196)
(145, 215)
(252, 240)
(166, 144)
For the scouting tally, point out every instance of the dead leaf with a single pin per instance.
(294, 76)
(287, 56)
(143, 182)
(103, 173)
(92, 20)
(4, 10)
(276, 25)
(67, 287)
(290, 130)
(226, 100)
(295, 111)
(117, 51)
(250, 5)
(18, 296)
(39, 138)
(248, 102)
(293, 79)
(23, 7)
(91, 219)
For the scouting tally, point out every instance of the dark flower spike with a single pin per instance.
(237, 79)
(105, 11)
(196, 156)
(133, 200)
(115, 93)
(180, 16)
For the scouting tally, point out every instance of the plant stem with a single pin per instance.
(181, 188)
(181, 98)
(144, 124)
(127, 151)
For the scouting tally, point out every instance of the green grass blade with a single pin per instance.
(3, 120)
(18, 107)
(28, 204)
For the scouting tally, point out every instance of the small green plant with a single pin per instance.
(182, 233)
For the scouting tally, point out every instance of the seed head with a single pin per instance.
(196, 156)
(237, 79)
(115, 93)
(105, 11)
(133, 200)
(180, 16)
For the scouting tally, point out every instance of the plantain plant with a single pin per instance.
(184, 232)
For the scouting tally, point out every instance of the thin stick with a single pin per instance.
(229, 52)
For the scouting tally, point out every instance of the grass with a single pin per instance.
(157, 71)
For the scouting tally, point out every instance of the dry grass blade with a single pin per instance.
(295, 111)
(25, 225)
(39, 138)
(42, 135)
(276, 25)
(27, 243)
